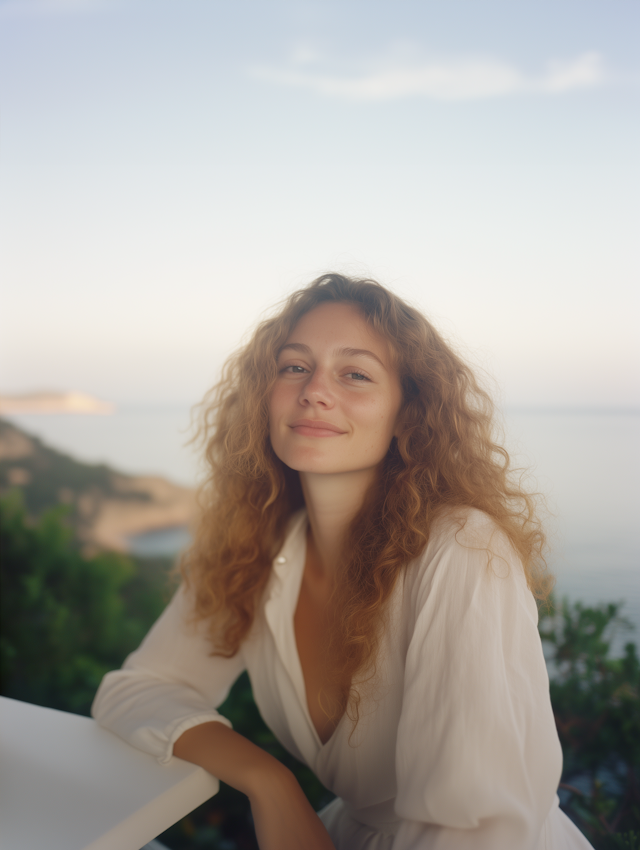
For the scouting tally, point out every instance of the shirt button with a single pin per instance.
(281, 560)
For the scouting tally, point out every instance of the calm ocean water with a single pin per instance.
(586, 463)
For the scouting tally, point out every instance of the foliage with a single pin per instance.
(596, 702)
(66, 619)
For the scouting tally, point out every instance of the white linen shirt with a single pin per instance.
(456, 748)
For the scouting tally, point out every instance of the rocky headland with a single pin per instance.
(103, 506)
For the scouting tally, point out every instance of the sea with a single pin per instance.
(586, 463)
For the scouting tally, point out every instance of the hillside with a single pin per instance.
(105, 506)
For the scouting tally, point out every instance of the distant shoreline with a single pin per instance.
(50, 402)
(169, 541)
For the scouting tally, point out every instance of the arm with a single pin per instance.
(171, 683)
(283, 817)
(163, 701)
(478, 758)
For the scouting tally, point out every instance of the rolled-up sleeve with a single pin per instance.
(478, 758)
(168, 685)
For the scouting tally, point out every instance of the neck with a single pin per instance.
(332, 502)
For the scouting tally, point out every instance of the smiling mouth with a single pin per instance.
(315, 428)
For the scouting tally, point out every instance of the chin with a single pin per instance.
(325, 466)
(302, 464)
(315, 468)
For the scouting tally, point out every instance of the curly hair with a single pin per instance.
(445, 457)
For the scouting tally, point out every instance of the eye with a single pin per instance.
(357, 376)
(294, 369)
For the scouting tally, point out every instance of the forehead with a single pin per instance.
(339, 323)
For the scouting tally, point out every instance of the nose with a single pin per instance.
(316, 390)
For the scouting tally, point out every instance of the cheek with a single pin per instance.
(388, 413)
(272, 409)
(276, 400)
(279, 407)
(389, 419)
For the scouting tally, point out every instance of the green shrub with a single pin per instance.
(596, 703)
(66, 619)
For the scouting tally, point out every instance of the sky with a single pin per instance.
(170, 170)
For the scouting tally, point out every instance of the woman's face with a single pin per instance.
(337, 397)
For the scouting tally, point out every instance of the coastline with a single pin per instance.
(52, 402)
(104, 507)
(114, 521)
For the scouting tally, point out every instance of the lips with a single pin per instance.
(315, 428)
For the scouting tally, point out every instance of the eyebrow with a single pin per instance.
(346, 352)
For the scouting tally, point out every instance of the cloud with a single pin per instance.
(452, 79)
(586, 71)
(45, 8)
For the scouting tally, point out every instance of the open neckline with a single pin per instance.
(298, 663)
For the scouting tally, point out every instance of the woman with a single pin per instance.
(365, 555)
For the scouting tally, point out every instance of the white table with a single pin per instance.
(67, 784)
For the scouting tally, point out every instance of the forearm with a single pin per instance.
(283, 818)
(230, 757)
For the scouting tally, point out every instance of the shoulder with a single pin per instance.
(465, 537)
(466, 528)
(468, 556)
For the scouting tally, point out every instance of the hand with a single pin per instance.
(284, 819)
